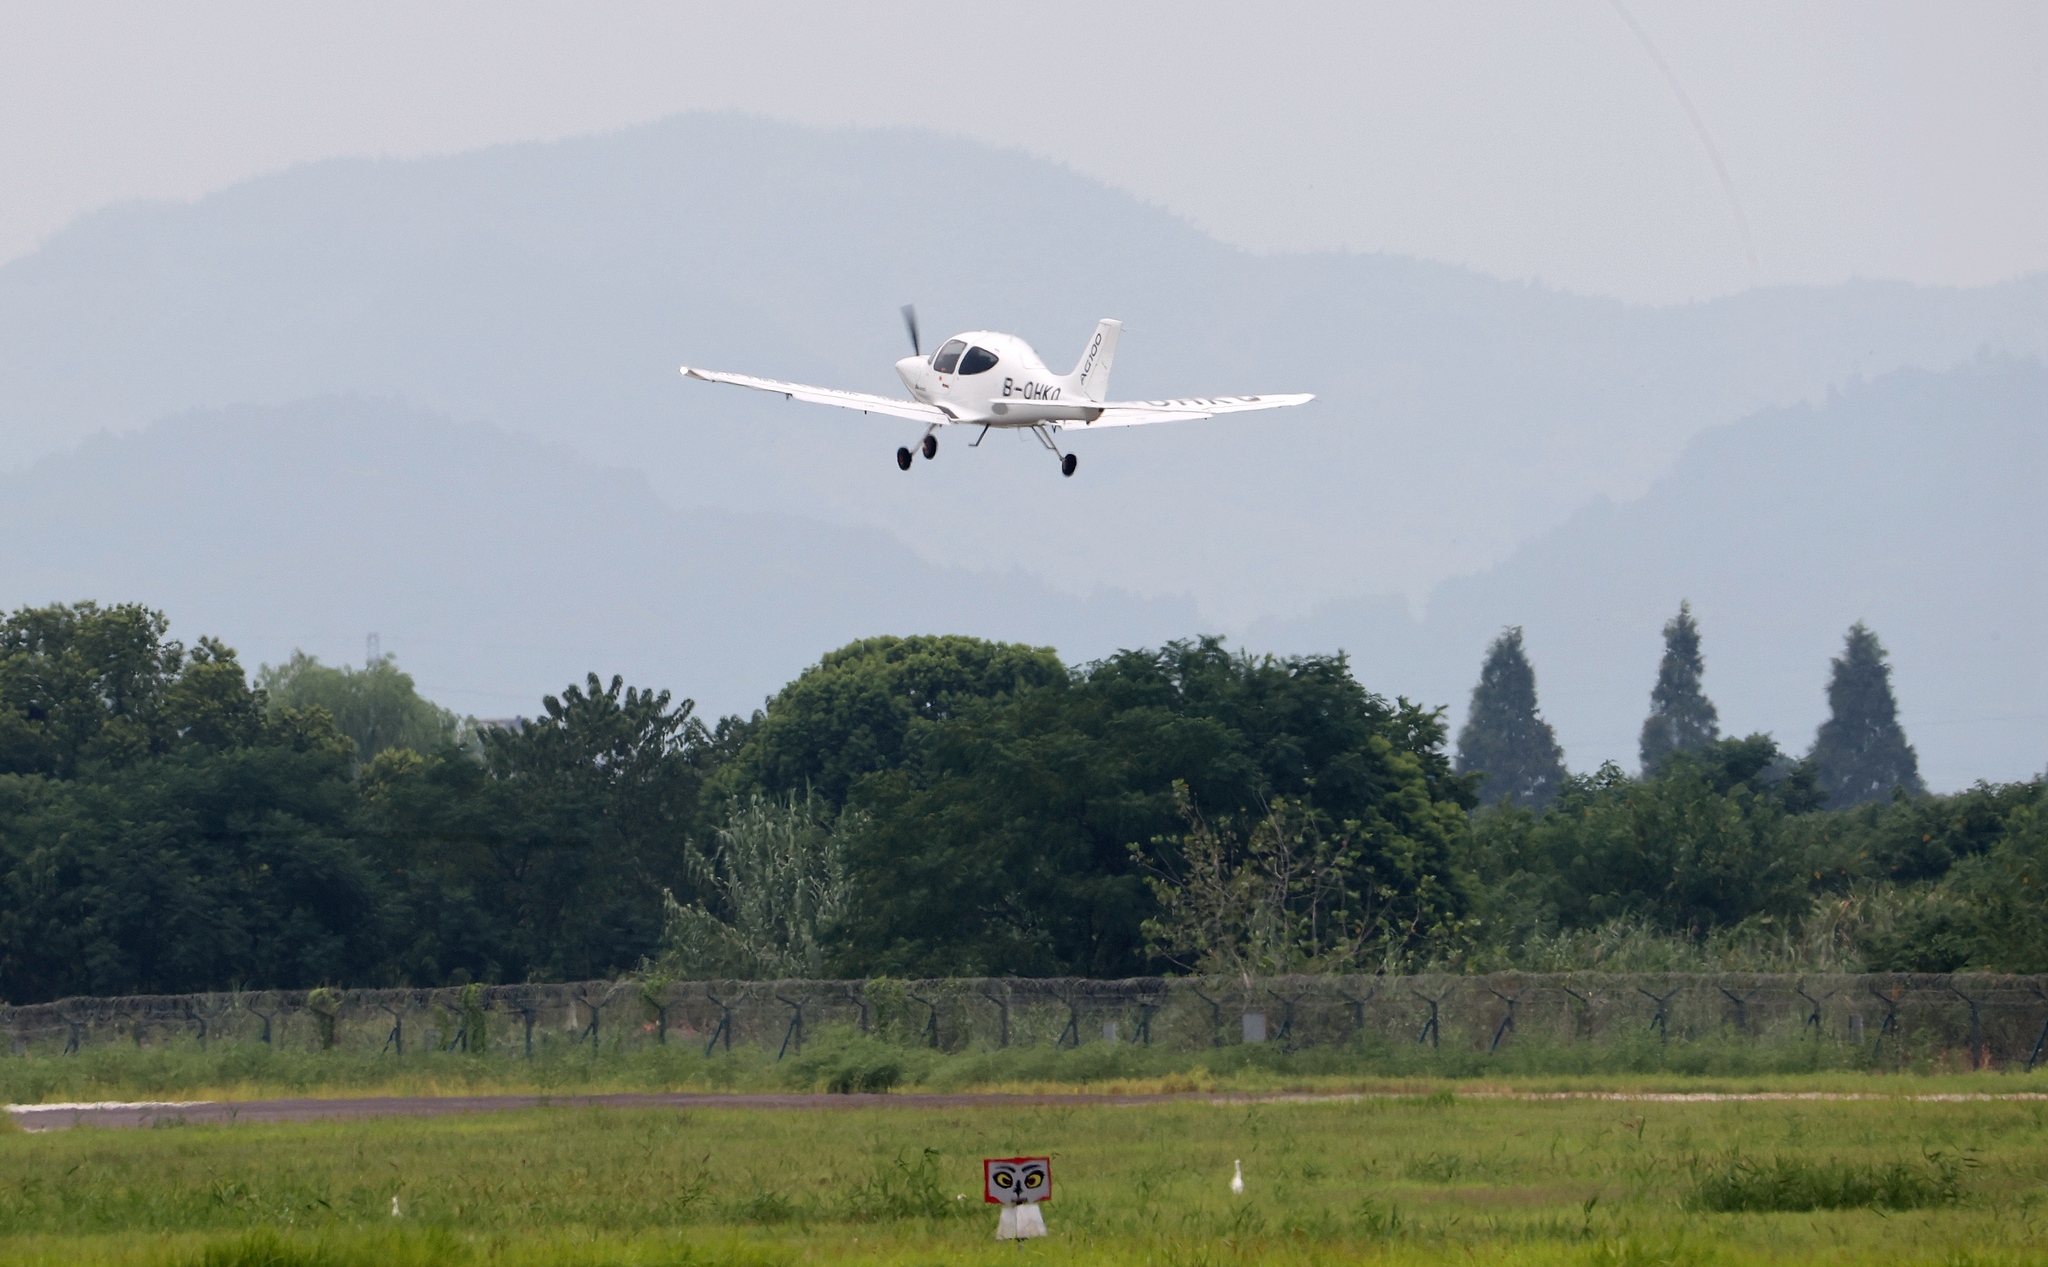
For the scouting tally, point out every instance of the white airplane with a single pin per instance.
(985, 379)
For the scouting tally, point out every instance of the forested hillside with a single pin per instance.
(911, 806)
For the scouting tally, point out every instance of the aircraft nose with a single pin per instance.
(913, 370)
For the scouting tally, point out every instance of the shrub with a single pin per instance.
(846, 1065)
(1740, 1184)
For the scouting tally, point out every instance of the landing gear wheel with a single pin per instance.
(931, 447)
(1068, 463)
(903, 459)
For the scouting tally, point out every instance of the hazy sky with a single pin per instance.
(1540, 141)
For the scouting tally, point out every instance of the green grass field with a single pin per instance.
(1396, 1180)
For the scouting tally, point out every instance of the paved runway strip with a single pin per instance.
(145, 1113)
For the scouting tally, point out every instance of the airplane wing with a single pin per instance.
(1135, 413)
(828, 396)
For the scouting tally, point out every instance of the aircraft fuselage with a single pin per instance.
(986, 378)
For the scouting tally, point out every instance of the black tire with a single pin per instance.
(931, 447)
(1068, 463)
(903, 459)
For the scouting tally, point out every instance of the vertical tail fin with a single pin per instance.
(1091, 374)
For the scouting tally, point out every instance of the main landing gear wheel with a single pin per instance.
(1068, 463)
(931, 447)
(903, 459)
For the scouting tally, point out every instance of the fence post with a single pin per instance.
(396, 1038)
(1976, 1024)
(1585, 1002)
(1215, 1015)
(1358, 1007)
(582, 994)
(654, 993)
(931, 1022)
(1661, 1020)
(1813, 1017)
(1741, 1002)
(724, 1027)
(1507, 1023)
(1002, 1013)
(796, 1025)
(1891, 1014)
(2035, 1054)
(1286, 1033)
(1148, 1003)
(1430, 1028)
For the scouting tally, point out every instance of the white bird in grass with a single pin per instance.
(1237, 1178)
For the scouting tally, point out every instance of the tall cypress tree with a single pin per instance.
(1504, 737)
(1861, 754)
(1681, 716)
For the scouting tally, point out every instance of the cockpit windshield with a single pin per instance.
(977, 361)
(949, 356)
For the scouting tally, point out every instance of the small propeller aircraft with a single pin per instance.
(985, 379)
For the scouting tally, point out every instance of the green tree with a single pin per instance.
(777, 885)
(161, 830)
(1681, 716)
(376, 706)
(1861, 753)
(1908, 840)
(1710, 841)
(1296, 894)
(1002, 843)
(545, 857)
(850, 714)
(1988, 914)
(1505, 740)
(90, 687)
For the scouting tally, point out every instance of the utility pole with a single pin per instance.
(376, 651)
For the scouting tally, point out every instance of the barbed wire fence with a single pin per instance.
(1991, 1021)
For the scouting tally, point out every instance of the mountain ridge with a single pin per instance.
(555, 287)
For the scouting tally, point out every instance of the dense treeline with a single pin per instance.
(922, 806)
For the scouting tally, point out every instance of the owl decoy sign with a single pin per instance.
(1018, 1184)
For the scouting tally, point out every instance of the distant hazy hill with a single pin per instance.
(498, 567)
(494, 566)
(1917, 503)
(554, 289)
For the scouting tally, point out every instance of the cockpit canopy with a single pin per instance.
(957, 357)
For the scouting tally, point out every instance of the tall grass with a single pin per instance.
(1740, 1184)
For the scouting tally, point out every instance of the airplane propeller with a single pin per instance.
(910, 324)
